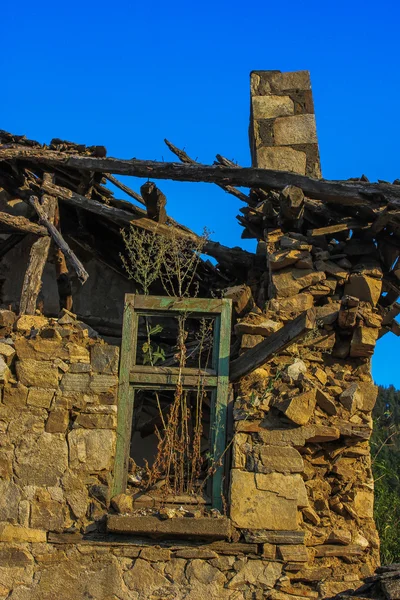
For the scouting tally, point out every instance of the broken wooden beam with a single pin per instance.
(155, 202)
(351, 193)
(22, 224)
(391, 313)
(37, 259)
(344, 225)
(59, 240)
(291, 207)
(276, 342)
(185, 158)
(123, 218)
(33, 276)
(63, 280)
(124, 188)
(261, 195)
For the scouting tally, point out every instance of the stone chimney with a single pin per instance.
(282, 123)
(321, 386)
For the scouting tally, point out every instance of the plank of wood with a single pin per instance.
(263, 536)
(126, 394)
(256, 194)
(291, 207)
(149, 369)
(185, 158)
(125, 188)
(166, 381)
(178, 305)
(155, 202)
(33, 276)
(391, 313)
(200, 528)
(352, 193)
(22, 224)
(338, 550)
(37, 259)
(59, 240)
(63, 281)
(344, 225)
(278, 341)
(221, 351)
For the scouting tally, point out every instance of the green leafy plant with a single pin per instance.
(172, 261)
(152, 353)
(144, 256)
(385, 449)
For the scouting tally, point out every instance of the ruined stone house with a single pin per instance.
(278, 500)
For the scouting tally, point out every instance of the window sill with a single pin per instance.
(153, 500)
(202, 528)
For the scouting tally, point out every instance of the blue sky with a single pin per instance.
(129, 74)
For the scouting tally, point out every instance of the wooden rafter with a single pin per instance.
(185, 158)
(22, 224)
(351, 193)
(59, 240)
(37, 259)
(125, 188)
(124, 218)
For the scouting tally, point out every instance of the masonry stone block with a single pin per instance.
(75, 382)
(280, 460)
(104, 359)
(40, 397)
(299, 129)
(282, 158)
(91, 449)
(41, 460)
(16, 566)
(10, 495)
(267, 107)
(256, 508)
(15, 395)
(258, 573)
(37, 373)
(17, 533)
(102, 383)
(58, 421)
(295, 80)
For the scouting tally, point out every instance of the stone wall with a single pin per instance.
(301, 489)
(58, 428)
(282, 124)
(301, 480)
(58, 420)
(301, 493)
(100, 299)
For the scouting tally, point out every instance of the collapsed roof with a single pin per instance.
(359, 213)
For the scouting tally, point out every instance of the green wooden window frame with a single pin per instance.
(132, 376)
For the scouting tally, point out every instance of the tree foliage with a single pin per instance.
(385, 448)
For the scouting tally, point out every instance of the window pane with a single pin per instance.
(170, 443)
(175, 341)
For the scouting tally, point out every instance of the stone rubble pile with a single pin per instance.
(301, 456)
(384, 585)
(301, 494)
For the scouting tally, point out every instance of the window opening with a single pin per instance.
(173, 397)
